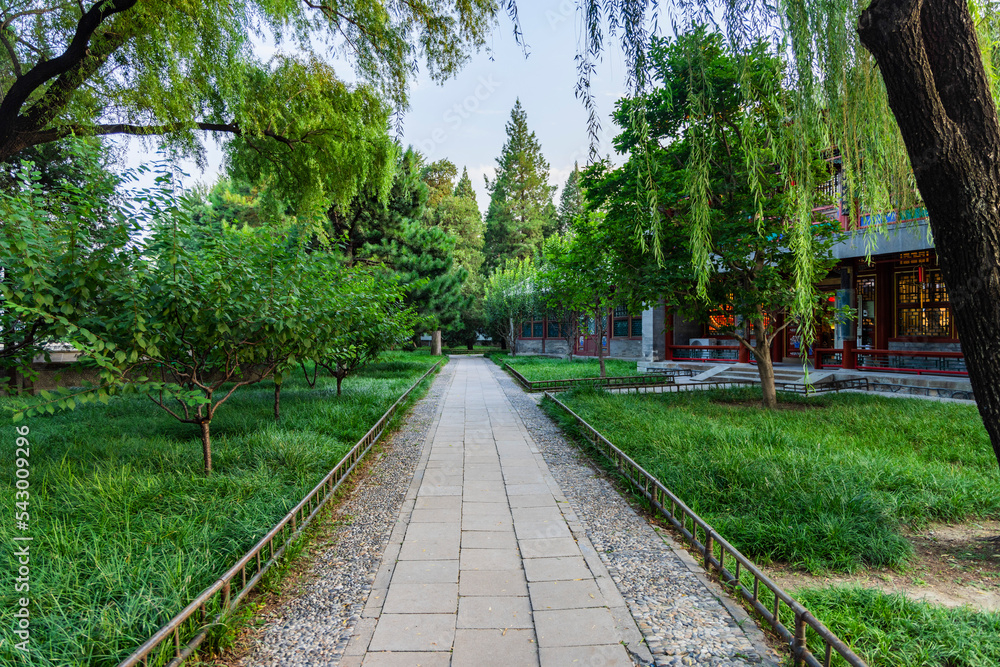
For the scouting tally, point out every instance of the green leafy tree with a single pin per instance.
(367, 317)
(582, 276)
(63, 239)
(571, 202)
(509, 298)
(440, 179)
(907, 91)
(752, 276)
(521, 213)
(158, 68)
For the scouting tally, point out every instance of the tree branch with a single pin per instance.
(46, 70)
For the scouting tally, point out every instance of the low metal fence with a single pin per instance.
(822, 387)
(677, 388)
(176, 641)
(617, 382)
(711, 543)
(671, 372)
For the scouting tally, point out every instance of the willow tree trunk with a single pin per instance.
(436, 343)
(929, 57)
(206, 446)
(765, 368)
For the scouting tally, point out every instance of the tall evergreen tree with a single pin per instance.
(571, 202)
(464, 187)
(521, 213)
(398, 235)
(458, 214)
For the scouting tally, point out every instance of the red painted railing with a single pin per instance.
(894, 361)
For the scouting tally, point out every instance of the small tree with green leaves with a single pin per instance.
(581, 276)
(510, 298)
(64, 241)
(367, 317)
(752, 274)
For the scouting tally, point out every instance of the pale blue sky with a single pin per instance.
(463, 120)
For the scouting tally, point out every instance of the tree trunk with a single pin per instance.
(277, 401)
(436, 343)
(512, 339)
(929, 57)
(206, 446)
(469, 344)
(765, 367)
(340, 378)
(600, 349)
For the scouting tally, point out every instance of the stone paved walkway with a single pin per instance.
(471, 541)
(482, 567)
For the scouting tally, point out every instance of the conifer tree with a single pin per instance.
(521, 213)
(464, 187)
(571, 202)
(458, 214)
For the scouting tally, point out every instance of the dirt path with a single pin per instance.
(954, 565)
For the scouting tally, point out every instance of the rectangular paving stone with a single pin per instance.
(494, 497)
(432, 531)
(494, 612)
(431, 490)
(556, 569)
(489, 559)
(438, 502)
(492, 583)
(575, 627)
(441, 549)
(576, 594)
(486, 539)
(551, 547)
(483, 487)
(529, 514)
(425, 572)
(449, 515)
(490, 522)
(405, 659)
(414, 632)
(575, 656)
(537, 530)
(532, 500)
(494, 648)
(527, 489)
(421, 599)
(483, 474)
(470, 507)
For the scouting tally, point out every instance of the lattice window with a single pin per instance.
(922, 308)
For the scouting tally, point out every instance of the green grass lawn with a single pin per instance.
(893, 631)
(546, 368)
(127, 529)
(826, 487)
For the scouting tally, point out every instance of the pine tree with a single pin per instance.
(464, 187)
(400, 236)
(521, 213)
(571, 202)
(458, 214)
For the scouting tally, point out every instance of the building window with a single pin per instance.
(625, 325)
(922, 307)
(533, 329)
(722, 321)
